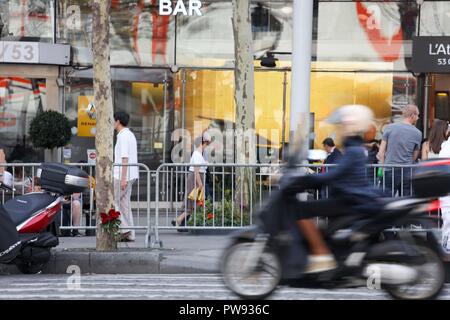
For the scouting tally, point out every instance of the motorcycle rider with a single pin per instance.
(349, 187)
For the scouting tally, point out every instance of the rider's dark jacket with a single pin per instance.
(348, 181)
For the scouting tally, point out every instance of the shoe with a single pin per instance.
(320, 263)
(125, 235)
(76, 233)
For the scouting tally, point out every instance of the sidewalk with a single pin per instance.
(181, 253)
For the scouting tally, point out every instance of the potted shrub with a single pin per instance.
(49, 130)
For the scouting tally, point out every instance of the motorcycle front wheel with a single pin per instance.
(430, 280)
(251, 281)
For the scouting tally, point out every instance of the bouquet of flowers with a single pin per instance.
(111, 223)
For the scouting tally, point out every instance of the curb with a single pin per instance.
(121, 262)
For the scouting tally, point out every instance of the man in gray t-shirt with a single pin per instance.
(400, 145)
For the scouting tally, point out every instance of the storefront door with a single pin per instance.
(145, 94)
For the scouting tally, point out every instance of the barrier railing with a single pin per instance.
(79, 210)
(231, 201)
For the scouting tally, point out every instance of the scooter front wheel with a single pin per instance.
(430, 280)
(251, 280)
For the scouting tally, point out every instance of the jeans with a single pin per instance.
(397, 180)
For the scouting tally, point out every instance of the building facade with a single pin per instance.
(176, 72)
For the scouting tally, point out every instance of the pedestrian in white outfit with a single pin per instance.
(125, 152)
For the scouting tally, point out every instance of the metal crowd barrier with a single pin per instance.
(79, 210)
(165, 192)
(222, 209)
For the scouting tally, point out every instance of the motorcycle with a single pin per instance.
(24, 220)
(378, 251)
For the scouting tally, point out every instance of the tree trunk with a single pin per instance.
(104, 111)
(245, 146)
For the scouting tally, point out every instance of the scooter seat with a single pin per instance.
(24, 207)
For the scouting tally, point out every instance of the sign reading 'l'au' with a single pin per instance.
(431, 54)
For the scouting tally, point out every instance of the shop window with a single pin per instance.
(384, 93)
(208, 41)
(20, 100)
(367, 31)
(146, 94)
(27, 20)
(435, 18)
(209, 103)
(139, 36)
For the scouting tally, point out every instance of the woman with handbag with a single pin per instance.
(195, 179)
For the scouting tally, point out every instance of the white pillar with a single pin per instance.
(301, 76)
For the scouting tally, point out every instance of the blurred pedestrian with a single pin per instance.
(438, 134)
(373, 147)
(445, 202)
(400, 146)
(22, 183)
(2, 160)
(334, 154)
(195, 178)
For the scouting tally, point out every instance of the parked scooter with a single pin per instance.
(24, 220)
(404, 263)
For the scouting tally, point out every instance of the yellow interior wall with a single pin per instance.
(210, 95)
(332, 90)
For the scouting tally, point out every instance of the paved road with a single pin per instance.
(156, 287)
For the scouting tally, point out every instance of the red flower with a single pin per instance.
(105, 218)
(111, 212)
(210, 216)
(115, 215)
(200, 203)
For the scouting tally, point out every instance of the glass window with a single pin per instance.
(208, 41)
(139, 36)
(435, 18)
(146, 94)
(20, 100)
(209, 99)
(209, 103)
(385, 93)
(27, 20)
(272, 107)
(367, 31)
(78, 93)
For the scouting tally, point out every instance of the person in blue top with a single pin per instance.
(349, 187)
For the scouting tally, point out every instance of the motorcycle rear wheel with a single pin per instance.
(257, 282)
(429, 283)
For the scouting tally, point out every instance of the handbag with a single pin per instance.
(196, 194)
